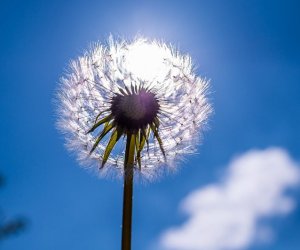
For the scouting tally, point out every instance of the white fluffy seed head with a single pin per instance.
(86, 92)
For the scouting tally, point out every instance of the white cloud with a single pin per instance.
(226, 215)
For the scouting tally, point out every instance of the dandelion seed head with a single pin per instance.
(141, 87)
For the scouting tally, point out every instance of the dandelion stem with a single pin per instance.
(128, 190)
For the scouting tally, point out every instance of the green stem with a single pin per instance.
(128, 190)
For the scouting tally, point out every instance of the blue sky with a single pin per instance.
(250, 51)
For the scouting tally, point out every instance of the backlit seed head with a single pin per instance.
(142, 88)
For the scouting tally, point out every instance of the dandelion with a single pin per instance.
(132, 109)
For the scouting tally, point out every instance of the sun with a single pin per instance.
(147, 61)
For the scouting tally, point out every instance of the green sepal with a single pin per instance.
(96, 119)
(155, 132)
(145, 138)
(138, 149)
(130, 151)
(115, 136)
(156, 122)
(107, 128)
(97, 124)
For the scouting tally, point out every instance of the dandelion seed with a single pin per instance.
(132, 108)
(144, 88)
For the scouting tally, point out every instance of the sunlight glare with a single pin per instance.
(147, 61)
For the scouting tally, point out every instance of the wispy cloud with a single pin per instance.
(227, 214)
